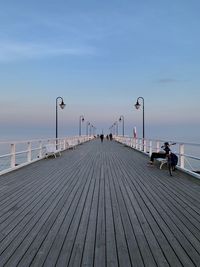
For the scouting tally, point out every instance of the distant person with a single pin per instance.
(101, 137)
(160, 154)
(110, 136)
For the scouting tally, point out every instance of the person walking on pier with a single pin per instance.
(101, 137)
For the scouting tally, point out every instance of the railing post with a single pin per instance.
(13, 156)
(136, 143)
(124, 140)
(65, 143)
(40, 150)
(145, 145)
(157, 146)
(132, 145)
(140, 144)
(133, 142)
(150, 148)
(182, 158)
(29, 152)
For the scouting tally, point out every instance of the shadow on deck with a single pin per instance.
(99, 205)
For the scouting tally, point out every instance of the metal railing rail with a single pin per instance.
(17, 154)
(20, 153)
(147, 146)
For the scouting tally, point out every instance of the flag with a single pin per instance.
(134, 132)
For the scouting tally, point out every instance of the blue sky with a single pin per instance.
(99, 56)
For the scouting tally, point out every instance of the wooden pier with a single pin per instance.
(99, 205)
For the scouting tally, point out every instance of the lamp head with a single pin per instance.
(62, 105)
(137, 105)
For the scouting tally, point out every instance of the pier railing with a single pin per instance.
(17, 154)
(188, 153)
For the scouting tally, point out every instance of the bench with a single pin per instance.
(71, 144)
(51, 150)
(162, 161)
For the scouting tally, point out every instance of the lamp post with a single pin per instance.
(137, 106)
(62, 106)
(116, 124)
(81, 119)
(94, 130)
(113, 129)
(91, 127)
(121, 118)
(87, 124)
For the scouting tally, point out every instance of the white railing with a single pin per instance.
(17, 154)
(188, 153)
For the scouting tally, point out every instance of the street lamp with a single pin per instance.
(87, 124)
(81, 119)
(137, 106)
(121, 118)
(62, 106)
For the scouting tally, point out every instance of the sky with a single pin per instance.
(100, 56)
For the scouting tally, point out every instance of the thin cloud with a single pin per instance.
(167, 80)
(17, 51)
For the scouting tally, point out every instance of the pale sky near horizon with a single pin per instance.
(99, 56)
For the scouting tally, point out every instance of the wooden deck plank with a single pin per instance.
(89, 246)
(174, 208)
(135, 205)
(121, 241)
(48, 232)
(130, 233)
(99, 205)
(170, 228)
(46, 201)
(27, 234)
(100, 240)
(61, 248)
(80, 236)
(111, 245)
(135, 227)
(155, 224)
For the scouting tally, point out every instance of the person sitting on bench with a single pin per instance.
(161, 154)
